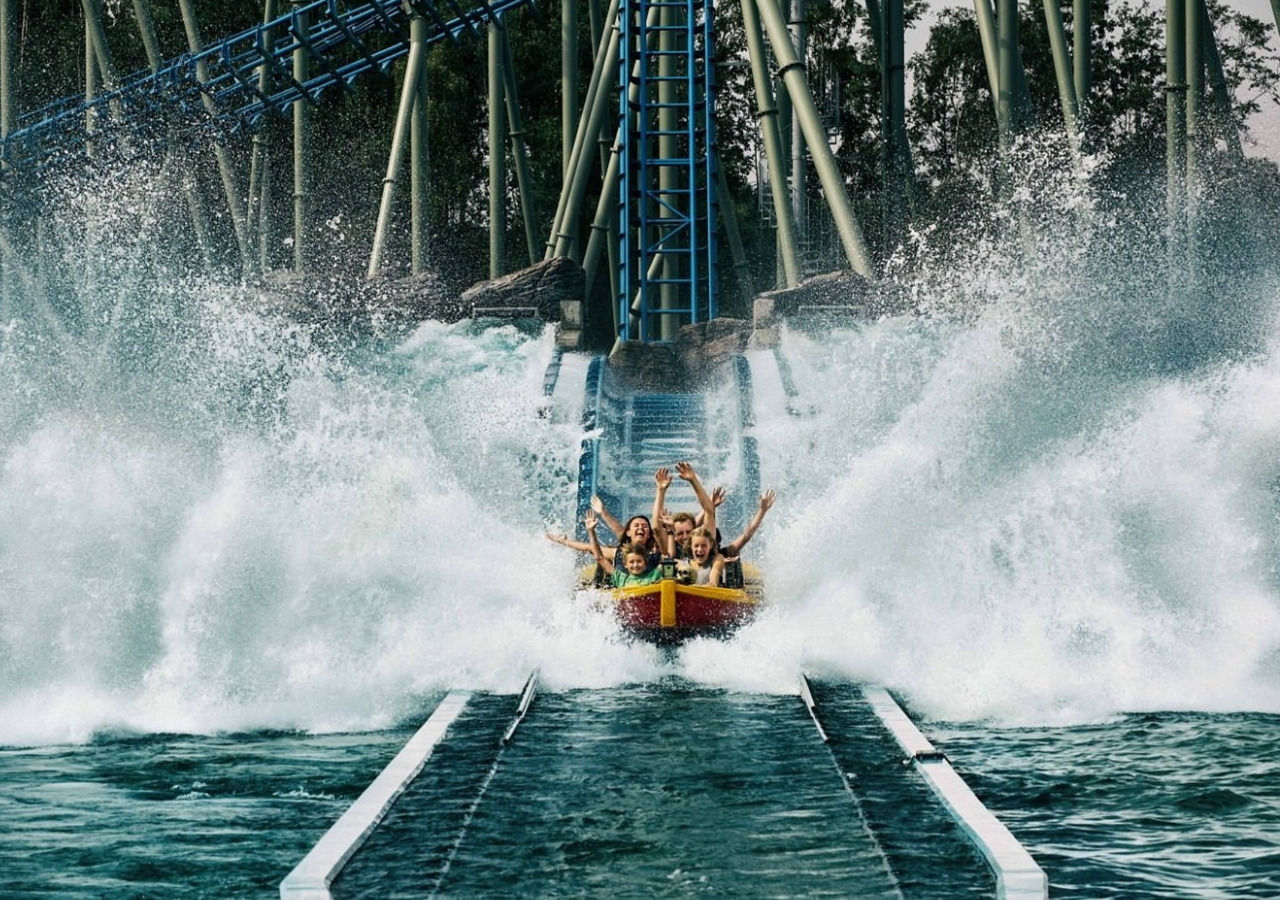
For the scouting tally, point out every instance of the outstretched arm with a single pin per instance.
(662, 480)
(604, 562)
(685, 471)
(566, 541)
(607, 517)
(718, 496)
(766, 503)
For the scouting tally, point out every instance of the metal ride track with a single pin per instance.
(658, 788)
(629, 434)
(600, 791)
(342, 42)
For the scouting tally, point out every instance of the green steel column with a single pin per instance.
(588, 129)
(301, 176)
(1175, 133)
(742, 271)
(792, 72)
(96, 34)
(6, 126)
(90, 84)
(602, 72)
(408, 96)
(264, 213)
(1082, 51)
(230, 183)
(799, 170)
(1275, 12)
(257, 154)
(1007, 58)
(1066, 78)
(519, 151)
(767, 114)
(606, 212)
(419, 149)
(1219, 90)
(894, 91)
(6, 69)
(990, 55)
(1195, 87)
(568, 79)
(497, 157)
(195, 203)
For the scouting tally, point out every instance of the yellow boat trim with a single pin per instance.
(667, 611)
(726, 595)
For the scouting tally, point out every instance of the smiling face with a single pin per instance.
(682, 527)
(700, 548)
(638, 530)
(636, 563)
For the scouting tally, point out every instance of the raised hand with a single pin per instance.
(662, 477)
(665, 518)
(590, 520)
(557, 538)
(597, 504)
(685, 470)
(766, 501)
(719, 495)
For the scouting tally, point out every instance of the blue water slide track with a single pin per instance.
(342, 41)
(629, 434)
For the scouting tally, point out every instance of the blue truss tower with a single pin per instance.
(667, 193)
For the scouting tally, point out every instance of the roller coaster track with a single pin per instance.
(629, 434)
(218, 90)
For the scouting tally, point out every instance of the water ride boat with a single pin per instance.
(668, 612)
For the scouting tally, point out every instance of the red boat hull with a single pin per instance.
(668, 612)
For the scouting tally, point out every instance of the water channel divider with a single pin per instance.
(311, 878)
(1018, 876)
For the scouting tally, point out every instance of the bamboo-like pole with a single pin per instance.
(1006, 65)
(1065, 77)
(893, 80)
(194, 201)
(799, 166)
(519, 150)
(1175, 135)
(767, 114)
(257, 155)
(568, 80)
(729, 215)
(419, 149)
(96, 35)
(6, 127)
(226, 167)
(792, 72)
(1219, 91)
(408, 96)
(1195, 88)
(90, 83)
(1082, 51)
(6, 69)
(301, 172)
(497, 157)
(603, 71)
(987, 35)
(606, 209)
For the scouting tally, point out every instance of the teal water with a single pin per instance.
(240, 557)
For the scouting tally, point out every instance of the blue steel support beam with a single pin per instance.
(147, 102)
(667, 203)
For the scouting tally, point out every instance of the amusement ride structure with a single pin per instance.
(644, 127)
